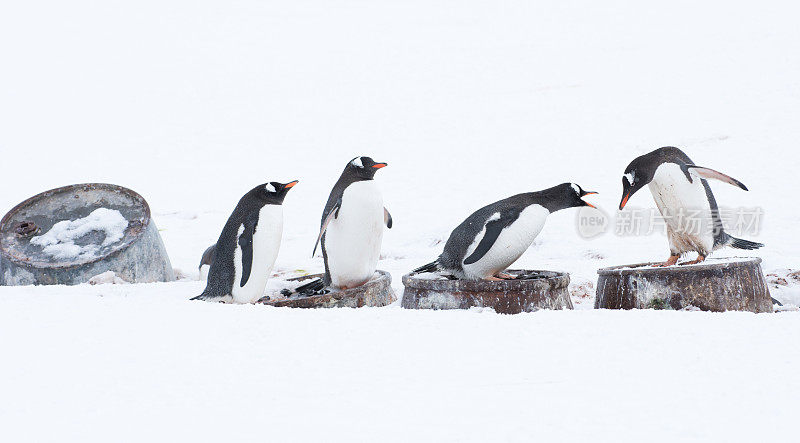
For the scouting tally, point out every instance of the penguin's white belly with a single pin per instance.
(512, 242)
(266, 243)
(353, 239)
(685, 209)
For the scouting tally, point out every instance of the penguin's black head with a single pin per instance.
(639, 173)
(363, 167)
(274, 192)
(563, 196)
(574, 194)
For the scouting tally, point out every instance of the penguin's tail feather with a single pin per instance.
(739, 243)
(313, 286)
(430, 267)
(205, 296)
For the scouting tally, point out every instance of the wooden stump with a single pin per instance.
(540, 290)
(376, 292)
(735, 284)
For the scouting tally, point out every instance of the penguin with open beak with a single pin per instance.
(495, 236)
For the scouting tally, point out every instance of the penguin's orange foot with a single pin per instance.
(699, 259)
(504, 276)
(494, 279)
(670, 262)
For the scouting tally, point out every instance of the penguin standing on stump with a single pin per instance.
(351, 229)
(685, 200)
(246, 250)
(495, 236)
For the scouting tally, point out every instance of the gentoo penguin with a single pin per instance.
(685, 200)
(495, 236)
(351, 229)
(205, 261)
(247, 248)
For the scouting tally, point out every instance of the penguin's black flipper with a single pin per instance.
(387, 218)
(710, 174)
(493, 230)
(334, 213)
(246, 244)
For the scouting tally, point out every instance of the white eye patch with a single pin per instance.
(629, 177)
(270, 188)
(576, 188)
(357, 162)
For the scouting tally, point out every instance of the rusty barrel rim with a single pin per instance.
(713, 263)
(126, 242)
(550, 279)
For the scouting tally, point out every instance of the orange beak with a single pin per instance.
(291, 184)
(624, 201)
(585, 193)
(379, 165)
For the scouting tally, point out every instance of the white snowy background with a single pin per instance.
(192, 103)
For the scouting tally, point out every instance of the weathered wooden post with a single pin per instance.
(530, 291)
(734, 284)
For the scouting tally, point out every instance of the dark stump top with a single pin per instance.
(376, 292)
(524, 280)
(707, 265)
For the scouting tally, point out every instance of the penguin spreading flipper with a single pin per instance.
(684, 199)
(351, 228)
(245, 253)
(495, 236)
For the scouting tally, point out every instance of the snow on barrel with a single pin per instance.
(71, 234)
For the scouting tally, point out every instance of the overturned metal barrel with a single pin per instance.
(734, 284)
(71, 234)
(528, 292)
(376, 292)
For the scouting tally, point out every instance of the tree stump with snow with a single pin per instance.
(733, 284)
(376, 292)
(528, 292)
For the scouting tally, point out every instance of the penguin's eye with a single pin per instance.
(270, 188)
(576, 188)
(357, 162)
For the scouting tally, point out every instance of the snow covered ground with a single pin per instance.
(193, 103)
